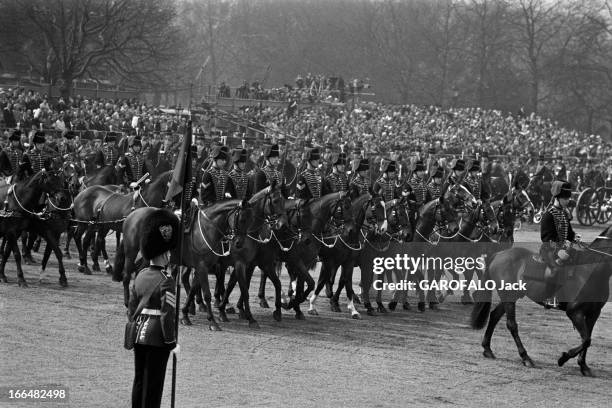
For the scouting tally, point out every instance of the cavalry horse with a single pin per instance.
(268, 212)
(582, 295)
(369, 213)
(24, 201)
(102, 208)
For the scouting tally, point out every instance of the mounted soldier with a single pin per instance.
(457, 172)
(309, 181)
(360, 184)
(557, 235)
(11, 157)
(475, 184)
(268, 173)
(386, 185)
(36, 159)
(215, 178)
(336, 181)
(434, 188)
(417, 183)
(239, 175)
(357, 156)
(66, 149)
(326, 162)
(133, 162)
(560, 171)
(542, 169)
(108, 154)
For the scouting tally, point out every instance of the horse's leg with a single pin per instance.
(52, 238)
(188, 302)
(494, 317)
(69, 236)
(219, 283)
(240, 271)
(591, 319)
(117, 237)
(513, 328)
(346, 281)
(98, 244)
(36, 242)
(262, 291)
(268, 270)
(3, 260)
(418, 278)
(327, 265)
(14, 246)
(83, 246)
(202, 273)
(466, 298)
(187, 285)
(579, 320)
(367, 277)
(107, 265)
(27, 240)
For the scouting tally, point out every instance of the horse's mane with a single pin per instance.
(324, 200)
(261, 193)
(427, 207)
(34, 179)
(221, 207)
(161, 180)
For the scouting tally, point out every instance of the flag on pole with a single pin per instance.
(182, 171)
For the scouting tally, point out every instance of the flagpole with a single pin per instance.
(185, 158)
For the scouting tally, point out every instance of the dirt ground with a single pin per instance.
(74, 336)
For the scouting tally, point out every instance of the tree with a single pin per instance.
(64, 40)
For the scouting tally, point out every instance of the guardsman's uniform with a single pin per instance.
(418, 185)
(542, 170)
(239, 176)
(434, 187)
(457, 174)
(152, 305)
(36, 159)
(268, 174)
(385, 186)
(357, 157)
(474, 182)
(133, 162)
(337, 180)
(108, 154)
(11, 157)
(556, 233)
(215, 178)
(360, 184)
(309, 181)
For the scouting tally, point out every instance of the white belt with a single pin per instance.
(153, 312)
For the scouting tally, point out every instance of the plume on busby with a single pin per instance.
(39, 137)
(239, 155)
(160, 233)
(561, 189)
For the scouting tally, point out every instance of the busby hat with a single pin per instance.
(561, 189)
(239, 155)
(338, 158)
(270, 151)
(135, 141)
(313, 154)
(16, 135)
(388, 166)
(438, 173)
(160, 233)
(419, 166)
(475, 166)
(110, 137)
(459, 165)
(39, 137)
(69, 135)
(364, 165)
(218, 153)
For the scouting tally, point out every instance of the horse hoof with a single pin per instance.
(586, 371)
(356, 316)
(434, 306)
(488, 354)
(67, 255)
(230, 310)
(563, 359)
(96, 268)
(63, 282)
(192, 309)
(185, 320)
(214, 327)
(263, 303)
(253, 325)
(356, 300)
(277, 315)
(527, 362)
(381, 309)
(202, 308)
(392, 305)
(300, 316)
(313, 312)
(335, 307)
(406, 306)
(421, 306)
(242, 315)
(109, 270)
(87, 271)
(223, 317)
(22, 283)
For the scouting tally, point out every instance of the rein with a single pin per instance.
(224, 239)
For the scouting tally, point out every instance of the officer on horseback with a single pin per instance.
(417, 183)
(215, 178)
(268, 174)
(108, 154)
(475, 184)
(386, 185)
(337, 180)
(36, 159)
(434, 188)
(239, 176)
(309, 181)
(12, 156)
(133, 162)
(360, 184)
(542, 170)
(557, 234)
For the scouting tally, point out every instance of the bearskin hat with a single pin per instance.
(561, 189)
(15, 136)
(160, 233)
(271, 151)
(39, 137)
(239, 155)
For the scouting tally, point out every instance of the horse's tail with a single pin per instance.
(482, 307)
(119, 263)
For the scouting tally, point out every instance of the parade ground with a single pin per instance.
(73, 338)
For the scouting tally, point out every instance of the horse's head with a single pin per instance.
(399, 222)
(459, 198)
(488, 219)
(343, 212)
(521, 204)
(47, 181)
(240, 222)
(270, 204)
(59, 202)
(371, 212)
(71, 176)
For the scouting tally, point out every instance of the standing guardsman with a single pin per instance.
(133, 161)
(36, 159)
(214, 178)
(417, 183)
(556, 233)
(267, 174)
(11, 157)
(152, 305)
(309, 181)
(108, 154)
(238, 175)
(337, 180)
(360, 183)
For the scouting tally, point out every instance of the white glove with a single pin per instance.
(195, 201)
(175, 351)
(577, 238)
(133, 184)
(228, 195)
(563, 255)
(147, 181)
